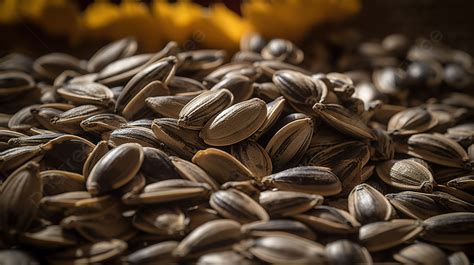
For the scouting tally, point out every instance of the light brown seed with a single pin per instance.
(383, 235)
(254, 157)
(86, 93)
(438, 149)
(238, 206)
(411, 121)
(421, 253)
(406, 174)
(221, 166)
(236, 123)
(111, 52)
(136, 107)
(368, 205)
(210, 237)
(168, 106)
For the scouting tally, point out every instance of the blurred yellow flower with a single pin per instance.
(152, 25)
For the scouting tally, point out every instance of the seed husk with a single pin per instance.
(166, 221)
(11, 159)
(288, 144)
(343, 120)
(383, 235)
(111, 52)
(406, 174)
(94, 156)
(197, 112)
(184, 142)
(438, 149)
(368, 205)
(91, 253)
(238, 206)
(288, 203)
(450, 228)
(50, 237)
(168, 106)
(115, 169)
(288, 249)
(19, 199)
(86, 93)
(69, 121)
(276, 227)
(59, 181)
(416, 205)
(102, 123)
(239, 85)
(465, 183)
(161, 70)
(221, 166)
(309, 179)
(343, 252)
(421, 253)
(235, 123)
(154, 254)
(299, 88)
(224, 257)
(136, 107)
(209, 237)
(139, 135)
(326, 219)
(411, 121)
(274, 110)
(172, 190)
(192, 172)
(254, 157)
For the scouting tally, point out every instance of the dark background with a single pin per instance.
(450, 21)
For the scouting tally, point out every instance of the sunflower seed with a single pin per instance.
(161, 221)
(416, 205)
(368, 205)
(288, 203)
(210, 237)
(168, 106)
(98, 252)
(115, 169)
(309, 179)
(406, 174)
(343, 252)
(411, 121)
(383, 235)
(238, 206)
(327, 219)
(253, 156)
(111, 52)
(156, 253)
(235, 123)
(421, 253)
(450, 228)
(136, 107)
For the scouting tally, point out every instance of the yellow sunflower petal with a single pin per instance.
(9, 11)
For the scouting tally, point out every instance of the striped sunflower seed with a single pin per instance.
(288, 203)
(411, 121)
(184, 142)
(329, 220)
(238, 206)
(309, 179)
(69, 121)
(224, 257)
(172, 190)
(157, 253)
(343, 120)
(421, 253)
(274, 110)
(161, 70)
(50, 237)
(416, 205)
(254, 157)
(343, 252)
(273, 227)
(239, 85)
(368, 205)
(465, 183)
(236, 123)
(19, 199)
(11, 159)
(383, 235)
(210, 237)
(111, 52)
(288, 145)
(288, 249)
(115, 169)
(197, 112)
(438, 149)
(136, 107)
(299, 88)
(406, 174)
(139, 135)
(101, 123)
(86, 93)
(168, 106)
(59, 181)
(192, 172)
(221, 166)
(450, 228)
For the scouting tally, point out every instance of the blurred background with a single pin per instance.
(80, 27)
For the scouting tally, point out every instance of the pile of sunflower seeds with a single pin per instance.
(190, 157)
